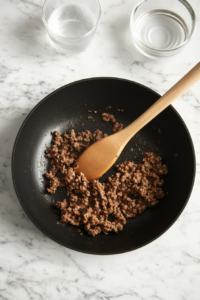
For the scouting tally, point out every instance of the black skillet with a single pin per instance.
(166, 135)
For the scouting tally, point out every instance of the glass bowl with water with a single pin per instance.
(162, 28)
(71, 24)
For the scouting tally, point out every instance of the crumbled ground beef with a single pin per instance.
(124, 195)
(110, 118)
(117, 127)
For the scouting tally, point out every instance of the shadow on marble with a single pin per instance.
(121, 33)
(31, 39)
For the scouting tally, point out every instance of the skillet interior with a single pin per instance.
(61, 111)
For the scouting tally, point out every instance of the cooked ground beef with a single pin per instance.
(124, 195)
(117, 127)
(110, 118)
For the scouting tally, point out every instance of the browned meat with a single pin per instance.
(124, 195)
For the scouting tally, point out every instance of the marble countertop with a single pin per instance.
(31, 265)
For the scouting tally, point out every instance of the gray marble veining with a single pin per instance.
(31, 265)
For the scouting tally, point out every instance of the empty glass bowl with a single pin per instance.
(162, 28)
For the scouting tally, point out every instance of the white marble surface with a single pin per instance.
(31, 265)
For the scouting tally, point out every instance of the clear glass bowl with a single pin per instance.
(71, 24)
(162, 28)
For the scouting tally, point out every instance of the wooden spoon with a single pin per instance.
(99, 157)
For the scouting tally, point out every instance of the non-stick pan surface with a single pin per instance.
(166, 135)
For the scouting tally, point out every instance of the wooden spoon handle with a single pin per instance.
(177, 90)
